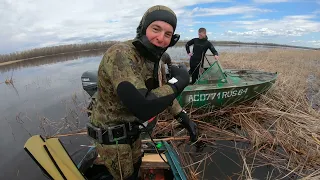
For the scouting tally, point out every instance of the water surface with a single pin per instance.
(47, 97)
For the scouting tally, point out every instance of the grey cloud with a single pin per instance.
(227, 11)
(37, 23)
(298, 25)
(268, 32)
(40, 23)
(315, 42)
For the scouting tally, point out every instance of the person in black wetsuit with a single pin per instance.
(200, 47)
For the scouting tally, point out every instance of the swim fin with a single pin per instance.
(51, 156)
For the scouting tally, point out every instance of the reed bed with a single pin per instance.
(281, 126)
(238, 43)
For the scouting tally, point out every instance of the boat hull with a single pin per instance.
(216, 97)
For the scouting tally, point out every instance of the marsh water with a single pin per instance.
(46, 97)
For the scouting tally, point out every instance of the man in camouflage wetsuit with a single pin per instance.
(130, 90)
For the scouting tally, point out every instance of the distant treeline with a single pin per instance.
(51, 59)
(54, 50)
(62, 49)
(234, 43)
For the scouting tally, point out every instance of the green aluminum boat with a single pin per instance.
(220, 88)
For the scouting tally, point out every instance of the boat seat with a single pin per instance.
(153, 167)
(154, 161)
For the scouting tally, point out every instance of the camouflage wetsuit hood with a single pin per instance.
(123, 62)
(141, 42)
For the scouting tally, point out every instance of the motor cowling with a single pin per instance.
(89, 82)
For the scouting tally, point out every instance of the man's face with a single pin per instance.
(202, 34)
(159, 33)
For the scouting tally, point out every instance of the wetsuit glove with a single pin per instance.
(185, 121)
(180, 78)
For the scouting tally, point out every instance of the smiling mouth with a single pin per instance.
(157, 45)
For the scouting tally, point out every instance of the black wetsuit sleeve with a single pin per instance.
(188, 44)
(143, 104)
(212, 49)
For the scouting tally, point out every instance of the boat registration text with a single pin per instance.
(218, 95)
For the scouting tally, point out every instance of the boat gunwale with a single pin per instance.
(210, 87)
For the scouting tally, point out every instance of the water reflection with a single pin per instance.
(50, 60)
(45, 99)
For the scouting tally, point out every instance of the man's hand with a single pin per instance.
(180, 78)
(190, 54)
(192, 128)
(216, 57)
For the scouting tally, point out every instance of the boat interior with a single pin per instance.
(216, 77)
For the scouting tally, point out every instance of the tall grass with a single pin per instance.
(281, 125)
(48, 51)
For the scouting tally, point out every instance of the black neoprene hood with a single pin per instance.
(141, 42)
(159, 15)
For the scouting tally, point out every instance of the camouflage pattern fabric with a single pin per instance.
(122, 62)
(119, 158)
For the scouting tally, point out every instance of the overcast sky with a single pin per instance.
(29, 24)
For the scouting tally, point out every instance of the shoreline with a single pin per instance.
(52, 55)
(238, 43)
(6, 59)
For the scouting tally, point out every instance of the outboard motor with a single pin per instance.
(89, 82)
